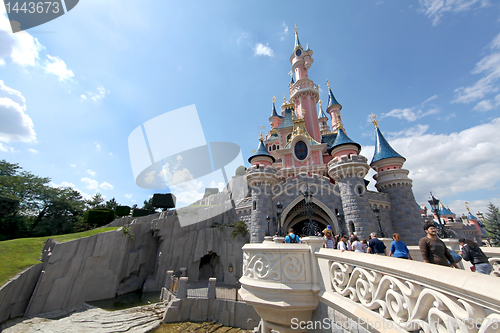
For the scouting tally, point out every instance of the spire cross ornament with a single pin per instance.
(296, 28)
(284, 99)
(374, 122)
(291, 74)
(328, 83)
(467, 206)
(274, 99)
(320, 104)
(261, 137)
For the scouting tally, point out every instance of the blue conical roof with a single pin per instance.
(331, 98)
(445, 211)
(297, 41)
(261, 151)
(287, 121)
(274, 113)
(471, 217)
(322, 113)
(383, 149)
(343, 139)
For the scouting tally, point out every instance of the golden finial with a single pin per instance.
(291, 74)
(271, 124)
(320, 104)
(328, 83)
(374, 122)
(307, 46)
(284, 99)
(296, 28)
(261, 137)
(422, 206)
(467, 206)
(253, 151)
(274, 99)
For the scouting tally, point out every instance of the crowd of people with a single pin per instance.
(433, 249)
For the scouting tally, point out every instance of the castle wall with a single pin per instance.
(405, 213)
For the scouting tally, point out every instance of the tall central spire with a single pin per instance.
(297, 42)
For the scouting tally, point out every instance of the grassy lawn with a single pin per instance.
(18, 254)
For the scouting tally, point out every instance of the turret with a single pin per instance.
(261, 155)
(333, 109)
(393, 180)
(323, 121)
(275, 119)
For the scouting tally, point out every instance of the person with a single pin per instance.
(433, 249)
(473, 253)
(365, 244)
(376, 246)
(291, 237)
(343, 245)
(399, 248)
(357, 246)
(329, 242)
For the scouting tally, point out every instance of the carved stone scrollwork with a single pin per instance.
(495, 262)
(410, 305)
(274, 266)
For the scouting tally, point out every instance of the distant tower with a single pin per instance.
(393, 180)
(348, 169)
(304, 93)
(333, 109)
(323, 121)
(261, 177)
(275, 119)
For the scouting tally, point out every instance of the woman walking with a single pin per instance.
(399, 248)
(357, 246)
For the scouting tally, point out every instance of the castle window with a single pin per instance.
(277, 147)
(269, 148)
(254, 205)
(288, 137)
(274, 147)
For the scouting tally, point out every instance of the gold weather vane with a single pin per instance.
(328, 83)
(467, 206)
(291, 74)
(296, 28)
(307, 46)
(261, 137)
(274, 99)
(320, 104)
(374, 122)
(284, 99)
(271, 124)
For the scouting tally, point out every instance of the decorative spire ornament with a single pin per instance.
(374, 122)
(261, 137)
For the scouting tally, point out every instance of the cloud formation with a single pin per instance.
(106, 186)
(489, 68)
(96, 96)
(58, 67)
(435, 9)
(91, 184)
(16, 125)
(22, 48)
(263, 50)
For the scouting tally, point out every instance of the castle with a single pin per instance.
(302, 156)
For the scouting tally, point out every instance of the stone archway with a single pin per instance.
(210, 266)
(295, 215)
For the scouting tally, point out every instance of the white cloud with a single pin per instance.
(449, 164)
(241, 37)
(92, 173)
(33, 151)
(63, 184)
(128, 196)
(484, 105)
(111, 154)
(435, 9)
(7, 149)
(97, 146)
(409, 113)
(20, 47)
(106, 186)
(430, 99)
(91, 184)
(414, 131)
(58, 67)
(263, 50)
(96, 96)
(285, 31)
(458, 206)
(15, 124)
(73, 165)
(489, 67)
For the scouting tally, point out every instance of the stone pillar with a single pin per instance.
(168, 279)
(184, 271)
(211, 288)
(182, 287)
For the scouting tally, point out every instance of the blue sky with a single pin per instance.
(72, 90)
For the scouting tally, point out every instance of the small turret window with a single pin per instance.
(269, 148)
(274, 147)
(288, 137)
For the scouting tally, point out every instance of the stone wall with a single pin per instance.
(227, 313)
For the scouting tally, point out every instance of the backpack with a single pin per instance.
(294, 239)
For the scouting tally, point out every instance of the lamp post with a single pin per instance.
(310, 227)
(442, 232)
(279, 209)
(268, 218)
(381, 232)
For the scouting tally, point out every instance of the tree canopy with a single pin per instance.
(492, 224)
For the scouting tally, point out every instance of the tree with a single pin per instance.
(112, 204)
(148, 205)
(97, 201)
(492, 224)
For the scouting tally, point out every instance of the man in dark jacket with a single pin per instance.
(433, 249)
(471, 252)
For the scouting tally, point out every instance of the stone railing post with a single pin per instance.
(182, 288)
(168, 280)
(211, 288)
(184, 271)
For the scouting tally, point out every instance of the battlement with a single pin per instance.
(348, 166)
(258, 175)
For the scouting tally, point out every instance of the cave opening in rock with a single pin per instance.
(211, 266)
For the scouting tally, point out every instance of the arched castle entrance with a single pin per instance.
(296, 215)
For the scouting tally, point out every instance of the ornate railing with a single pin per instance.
(302, 85)
(407, 295)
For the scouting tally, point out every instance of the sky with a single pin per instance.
(74, 89)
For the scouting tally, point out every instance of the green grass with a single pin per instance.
(19, 254)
